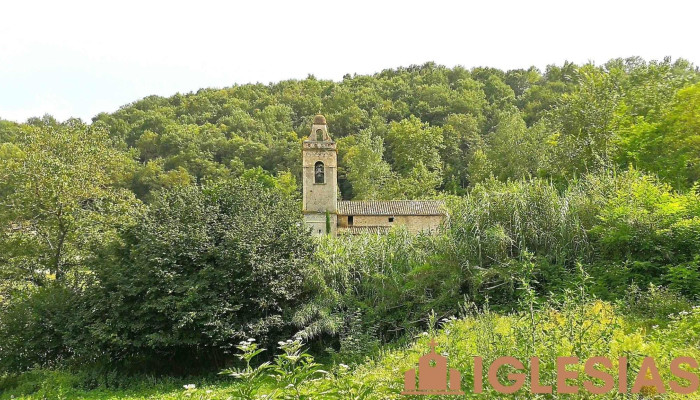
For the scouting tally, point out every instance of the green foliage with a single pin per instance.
(646, 231)
(654, 304)
(201, 269)
(391, 281)
(40, 329)
(415, 153)
(560, 123)
(585, 124)
(579, 326)
(499, 227)
(366, 171)
(295, 368)
(196, 271)
(61, 198)
(667, 142)
(251, 378)
(514, 151)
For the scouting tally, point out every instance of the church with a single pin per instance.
(325, 214)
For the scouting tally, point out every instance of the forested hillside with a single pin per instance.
(155, 239)
(412, 132)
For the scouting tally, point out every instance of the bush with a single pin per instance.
(644, 232)
(200, 270)
(41, 383)
(41, 329)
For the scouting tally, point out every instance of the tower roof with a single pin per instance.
(319, 120)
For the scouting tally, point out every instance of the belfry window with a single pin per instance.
(319, 173)
(319, 135)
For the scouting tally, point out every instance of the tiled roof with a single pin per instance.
(392, 207)
(356, 230)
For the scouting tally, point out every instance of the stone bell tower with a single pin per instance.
(320, 179)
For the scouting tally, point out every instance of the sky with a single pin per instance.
(79, 58)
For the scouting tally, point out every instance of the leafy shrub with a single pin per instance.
(200, 270)
(40, 383)
(685, 278)
(644, 232)
(40, 329)
(293, 369)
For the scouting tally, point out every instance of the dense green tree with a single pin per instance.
(200, 270)
(62, 194)
(461, 139)
(366, 171)
(586, 125)
(670, 144)
(521, 80)
(544, 95)
(415, 155)
(515, 151)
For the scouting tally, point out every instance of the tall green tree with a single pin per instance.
(587, 126)
(63, 192)
(515, 151)
(670, 145)
(366, 169)
(415, 154)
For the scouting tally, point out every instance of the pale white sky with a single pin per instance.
(78, 58)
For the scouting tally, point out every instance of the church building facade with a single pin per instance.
(325, 214)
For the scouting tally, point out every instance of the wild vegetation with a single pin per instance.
(164, 243)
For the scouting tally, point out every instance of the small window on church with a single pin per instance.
(391, 219)
(350, 220)
(319, 173)
(319, 135)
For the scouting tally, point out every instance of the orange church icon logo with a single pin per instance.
(432, 376)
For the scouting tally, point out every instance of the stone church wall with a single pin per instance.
(413, 223)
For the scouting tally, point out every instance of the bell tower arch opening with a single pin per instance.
(319, 173)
